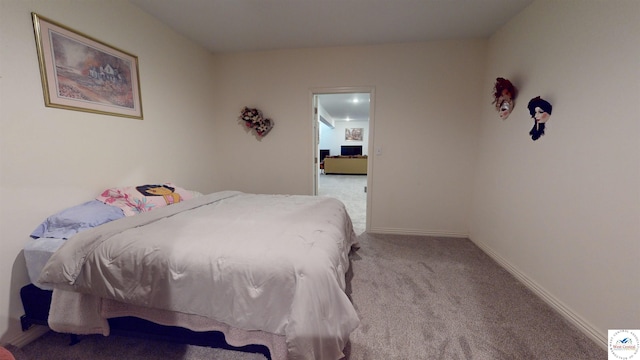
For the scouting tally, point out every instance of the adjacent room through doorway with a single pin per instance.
(343, 126)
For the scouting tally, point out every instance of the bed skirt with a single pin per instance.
(84, 314)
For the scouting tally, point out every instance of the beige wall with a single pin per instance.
(563, 212)
(52, 158)
(426, 119)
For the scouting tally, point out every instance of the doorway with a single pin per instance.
(343, 126)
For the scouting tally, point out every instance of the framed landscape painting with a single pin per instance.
(353, 134)
(84, 74)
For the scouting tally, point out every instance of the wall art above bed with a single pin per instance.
(84, 74)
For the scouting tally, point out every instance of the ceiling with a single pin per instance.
(224, 26)
(232, 26)
(346, 107)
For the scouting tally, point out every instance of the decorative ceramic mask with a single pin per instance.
(540, 111)
(504, 95)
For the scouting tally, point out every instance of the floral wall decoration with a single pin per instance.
(540, 111)
(253, 119)
(504, 97)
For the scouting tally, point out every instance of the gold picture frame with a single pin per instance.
(84, 74)
(353, 134)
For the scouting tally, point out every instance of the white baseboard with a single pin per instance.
(582, 325)
(394, 231)
(26, 337)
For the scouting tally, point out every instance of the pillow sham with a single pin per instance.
(138, 199)
(71, 221)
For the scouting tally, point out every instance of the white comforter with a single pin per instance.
(273, 263)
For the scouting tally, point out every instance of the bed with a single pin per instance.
(261, 269)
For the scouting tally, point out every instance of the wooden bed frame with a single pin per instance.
(36, 303)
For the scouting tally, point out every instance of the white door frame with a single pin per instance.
(316, 135)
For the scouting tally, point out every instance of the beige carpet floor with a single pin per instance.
(350, 189)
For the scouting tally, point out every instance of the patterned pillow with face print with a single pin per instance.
(137, 199)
